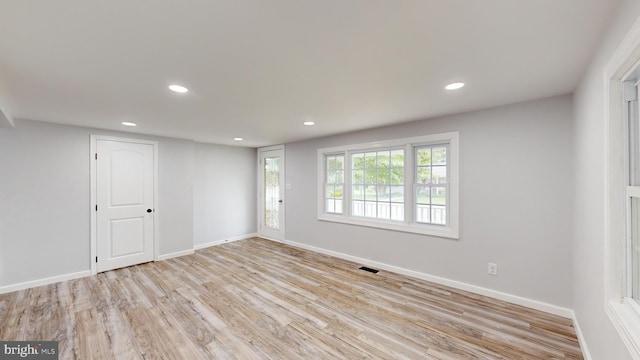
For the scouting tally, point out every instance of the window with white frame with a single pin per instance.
(431, 184)
(377, 184)
(622, 190)
(334, 183)
(408, 184)
(622, 195)
(632, 191)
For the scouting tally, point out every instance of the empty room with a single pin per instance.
(307, 179)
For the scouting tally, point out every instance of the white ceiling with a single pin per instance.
(257, 68)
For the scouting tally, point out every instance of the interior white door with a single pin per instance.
(124, 196)
(271, 192)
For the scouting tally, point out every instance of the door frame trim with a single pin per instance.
(94, 178)
(259, 179)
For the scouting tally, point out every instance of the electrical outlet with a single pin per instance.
(493, 269)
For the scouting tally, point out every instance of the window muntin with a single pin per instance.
(377, 184)
(383, 184)
(431, 184)
(334, 184)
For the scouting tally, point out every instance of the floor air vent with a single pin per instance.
(368, 269)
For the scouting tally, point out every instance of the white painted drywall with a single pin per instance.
(6, 119)
(589, 207)
(175, 193)
(224, 192)
(45, 199)
(515, 200)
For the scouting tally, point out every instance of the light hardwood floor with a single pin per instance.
(255, 299)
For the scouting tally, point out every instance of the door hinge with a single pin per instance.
(96, 207)
(96, 259)
(96, 156)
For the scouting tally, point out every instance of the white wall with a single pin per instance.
(589, 208)
(225, 189)
(45, 199)
(515, 193)
(6, 120)
(175, 194)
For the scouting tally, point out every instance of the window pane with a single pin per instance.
(339, 162)
(370, 160)
(384, 176)
(329, 191)
(439, 155)
(337, 192)
(370, 193)
(338, 206)
(331, 177)
(357, 192)
(330, 205)
(383, 159)
(331, 163)
(439, 195)
(358, 177)
(383, 193)
(397, 158)
(424, 175)
(384, 210)
(397, 176)
(371, 176)
(357, 208)
(423, 214)
(370, 209)
(397, 212)
(438, 215)
(423, 194)
(272, 192)
(439, 175)
(423, 156)
(357, 161)
(397, 194)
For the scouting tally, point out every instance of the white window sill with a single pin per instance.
(625, 316)
(439, 231)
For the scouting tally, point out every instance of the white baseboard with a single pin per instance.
(581, 339)
(175, 254)
(223, 241)
(45, 281)
(514, 299)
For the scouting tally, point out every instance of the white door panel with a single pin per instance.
(124, 194)
(124, 235)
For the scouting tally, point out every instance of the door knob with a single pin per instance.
(280, 201)
(149, 210)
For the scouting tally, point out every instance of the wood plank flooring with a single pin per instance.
(257, 299)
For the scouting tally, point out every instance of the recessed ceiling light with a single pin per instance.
(178, 88)
(309, 123)
(126, 123)
(238, 139)
(454, 86)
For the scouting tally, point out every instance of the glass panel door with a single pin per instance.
(272, 199)
(271, 192)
